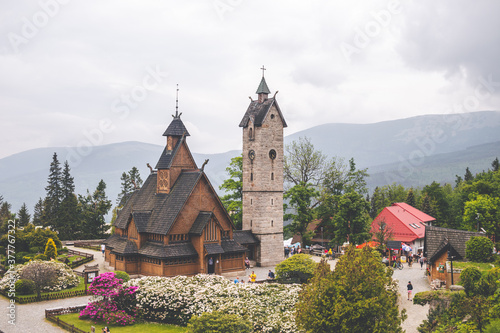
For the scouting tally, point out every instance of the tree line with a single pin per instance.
(72, 216)
(334, 192)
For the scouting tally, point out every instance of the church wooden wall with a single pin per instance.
(202, 199)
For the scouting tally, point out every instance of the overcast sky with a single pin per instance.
(78, 73)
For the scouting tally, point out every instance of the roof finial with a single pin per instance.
(177, 102)
(263, 69)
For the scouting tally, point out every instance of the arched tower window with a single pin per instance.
(251, 176)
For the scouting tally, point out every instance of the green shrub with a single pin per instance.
(469, 279)
(479, 249)
(299, 268)
(218, 322)
(63, 250)
(41, 256)
(122, 275)
(494, 327)
(25, 287)
(35, 249)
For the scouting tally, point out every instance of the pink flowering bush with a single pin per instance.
(113, 303)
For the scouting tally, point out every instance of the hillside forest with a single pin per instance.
(330, 190)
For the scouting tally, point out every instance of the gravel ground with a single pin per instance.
(416, 313)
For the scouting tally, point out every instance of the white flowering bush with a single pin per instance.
(65, 277)
(270, 307)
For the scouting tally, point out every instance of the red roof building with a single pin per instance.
(406, 222)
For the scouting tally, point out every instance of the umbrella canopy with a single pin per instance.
(370, 244)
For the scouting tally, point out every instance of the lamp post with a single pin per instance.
(321, 236)
(450, 258)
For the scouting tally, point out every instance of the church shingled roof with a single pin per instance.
(163, 208)
(244, 237)
(200, 223)
(161, 251)
(229, 245)
(258, 112)
(213, 248)
(176, 128)
(167, 156)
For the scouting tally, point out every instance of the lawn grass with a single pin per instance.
(482, 266)
(73, 257)
(85, 325)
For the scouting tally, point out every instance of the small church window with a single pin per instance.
(272, 202)
(250, 133)
(272, 223)
(272, 175)
(251, 202)
(272, 116)
(251, 176)
(251, 222)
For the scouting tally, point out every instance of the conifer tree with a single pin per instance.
(358, 296)
(427, 205)
(23, 216)
(135, 178)
(127, 188)
(468, 175)
(54, 193)
(94, 208)
(410, 198)
(68, 217)
(50, 249)
(67, 181)
(38, 213)
(495, 164)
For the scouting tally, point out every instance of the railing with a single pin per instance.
(47, 297)
(51, 314)
(87, 258)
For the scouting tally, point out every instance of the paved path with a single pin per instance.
(416, 313)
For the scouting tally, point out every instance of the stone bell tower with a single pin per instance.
(263, 125)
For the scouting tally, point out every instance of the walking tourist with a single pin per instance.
(409, 287)
(421, 262)
(103, 248)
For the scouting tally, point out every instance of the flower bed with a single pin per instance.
(66, 278)
(270, 307)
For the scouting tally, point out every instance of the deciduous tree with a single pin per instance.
(233, 186)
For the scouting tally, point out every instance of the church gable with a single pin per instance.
(202, 198)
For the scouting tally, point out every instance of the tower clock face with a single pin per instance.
(251, 154)
(272, 154)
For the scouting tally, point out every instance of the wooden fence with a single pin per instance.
(87, 258)
(47, 297)
(51, 314)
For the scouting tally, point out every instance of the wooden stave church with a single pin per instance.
(176, 222)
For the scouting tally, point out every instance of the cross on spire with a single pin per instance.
(177, 102)
(263, 69)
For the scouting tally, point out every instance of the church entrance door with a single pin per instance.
(211, 265)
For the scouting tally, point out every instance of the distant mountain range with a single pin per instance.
(413, 152)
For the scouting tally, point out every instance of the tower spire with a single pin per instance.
(177, 102)
(262, 90)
